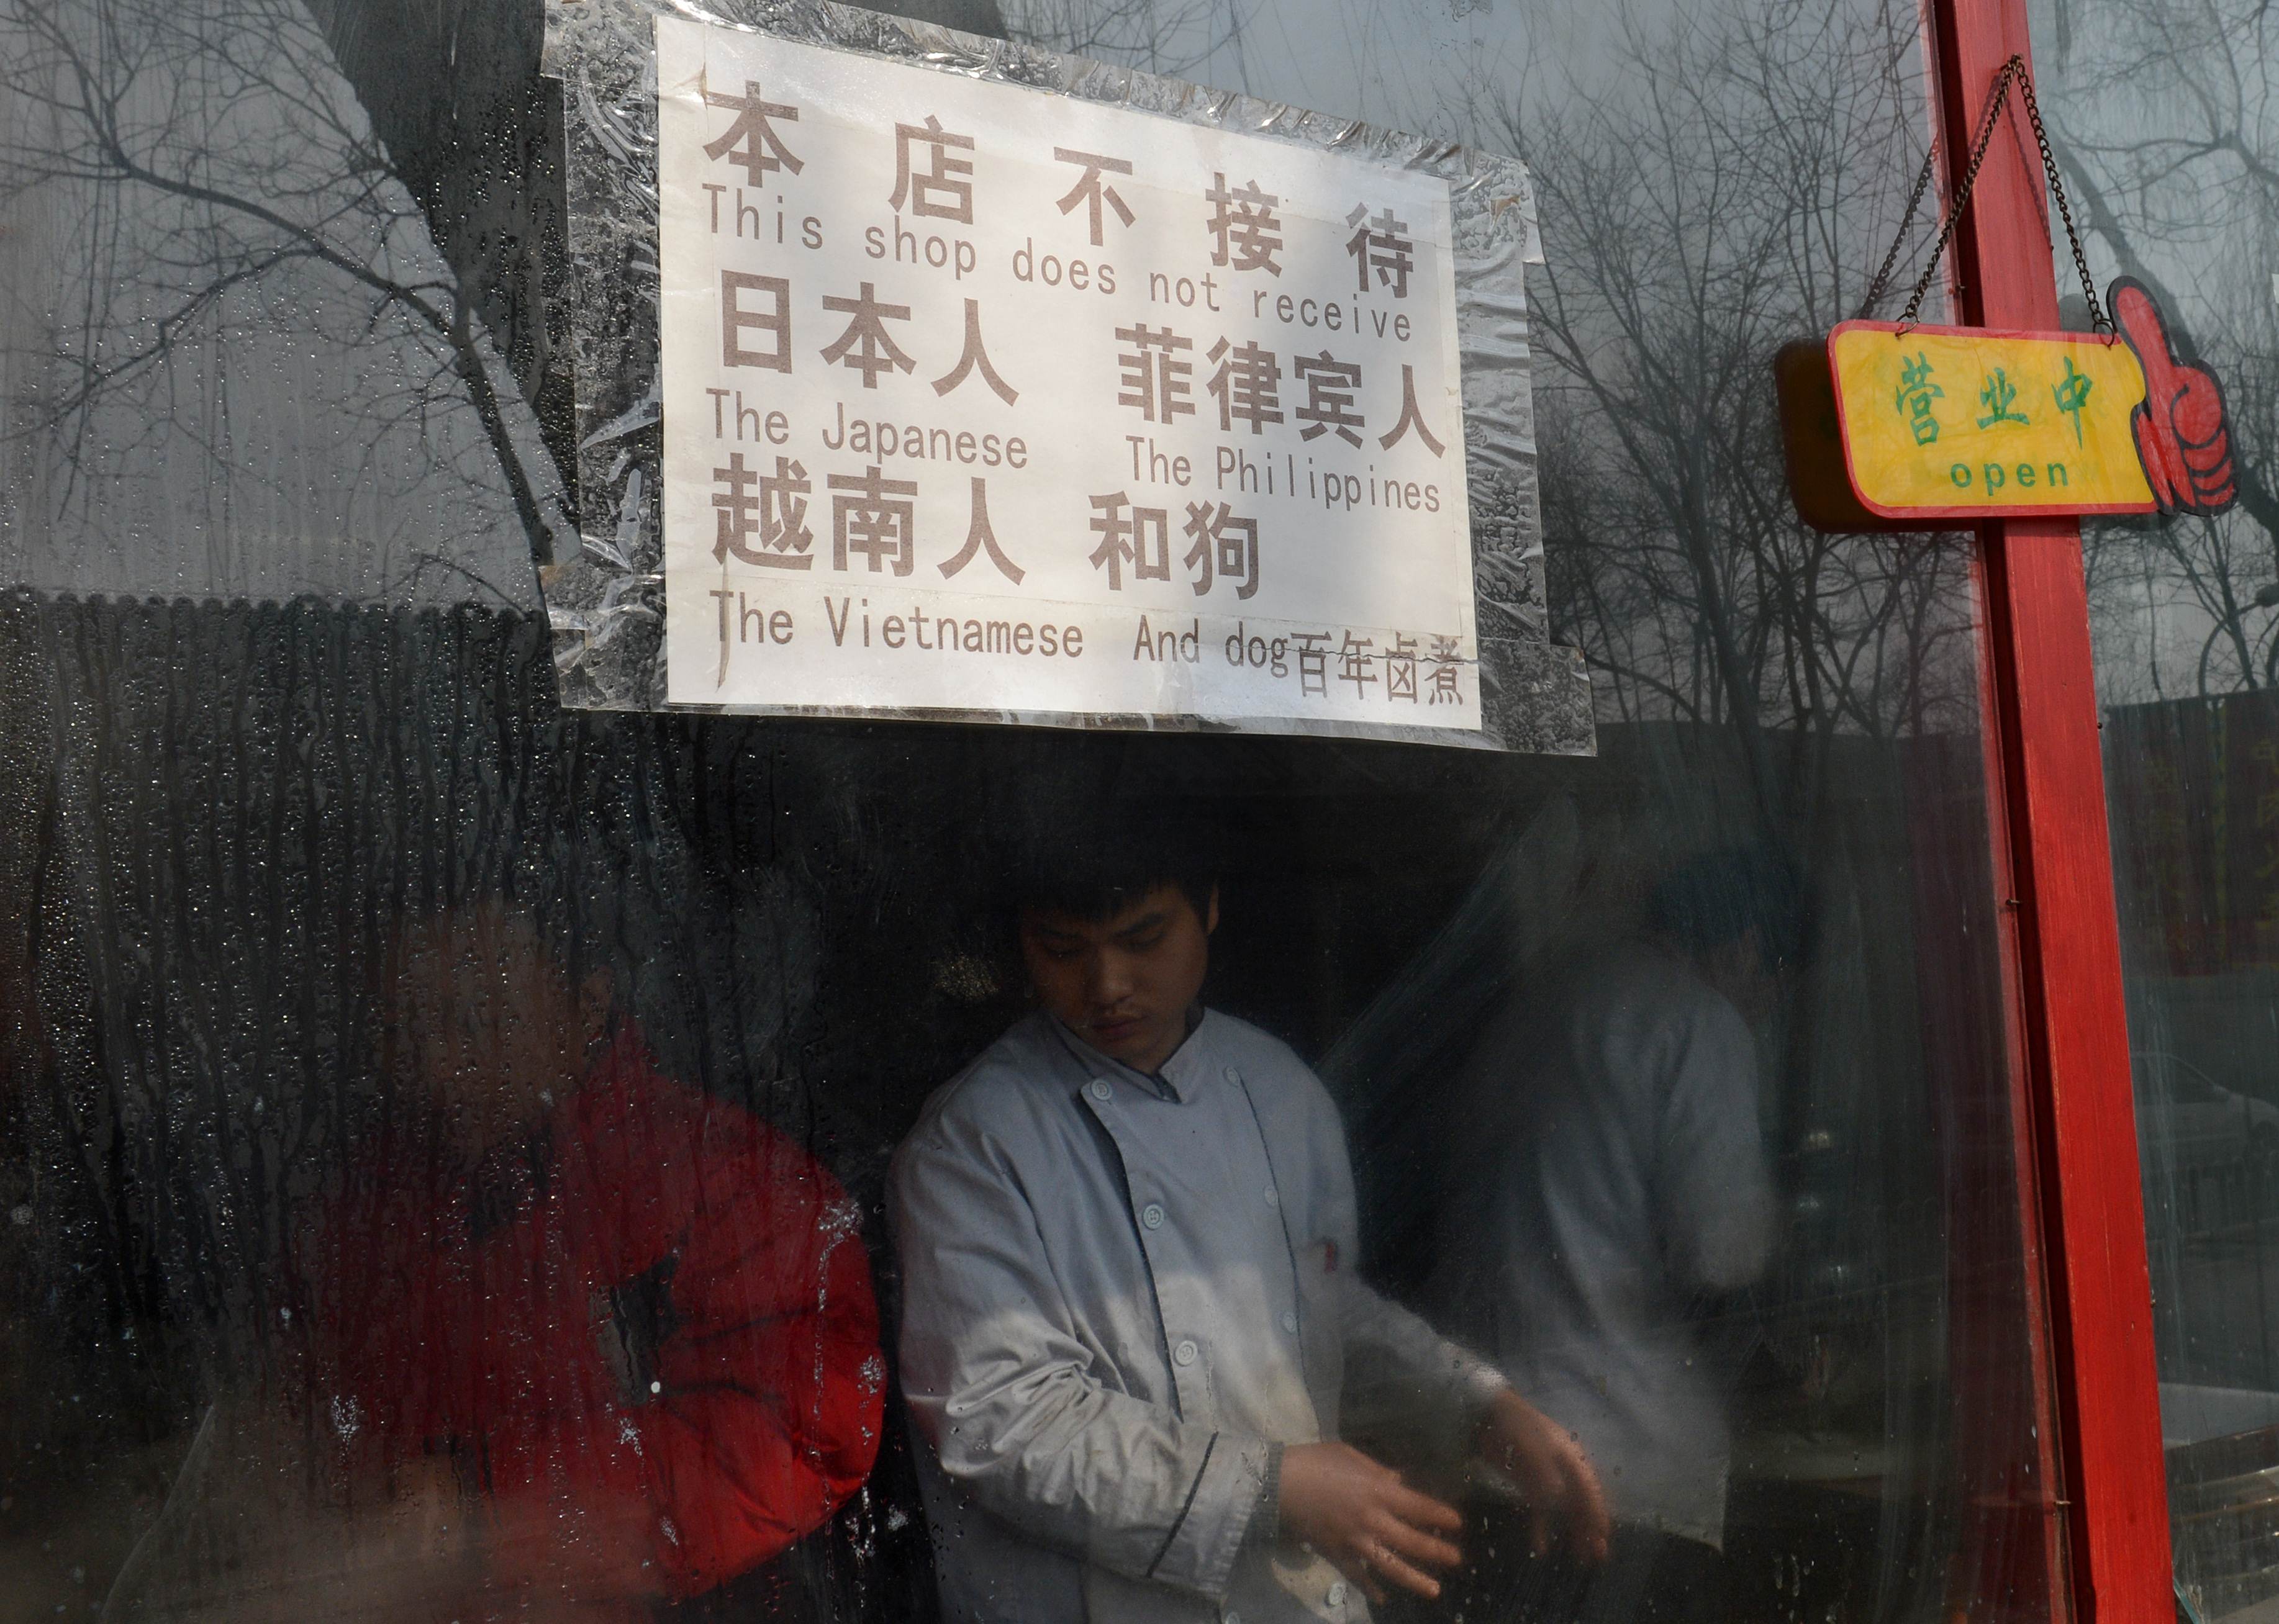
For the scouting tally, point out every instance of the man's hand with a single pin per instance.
(1365, 1519)
(1551, 1473)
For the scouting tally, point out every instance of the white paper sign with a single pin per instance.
(982, 399)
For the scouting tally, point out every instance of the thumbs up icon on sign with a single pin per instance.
(2182, 438)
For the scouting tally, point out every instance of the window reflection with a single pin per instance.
(238, 364)
(449, 1138)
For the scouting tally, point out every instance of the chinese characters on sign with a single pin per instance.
(1948, 423)
(981, 399)
(1962, 422)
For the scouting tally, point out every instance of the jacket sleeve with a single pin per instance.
(1004, 1390)
(771, 1382)
(1401, 1372)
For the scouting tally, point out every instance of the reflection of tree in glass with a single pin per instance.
(238, 281)
(2165, 120)
(1174, 39)
(1728, 186)
(1713, 185)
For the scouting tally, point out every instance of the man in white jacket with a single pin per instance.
(1130, 1315)
(1612, 1192)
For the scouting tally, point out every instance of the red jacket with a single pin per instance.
(473, 1313)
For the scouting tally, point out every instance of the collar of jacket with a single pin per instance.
(1187, 1070)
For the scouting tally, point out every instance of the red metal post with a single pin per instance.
(2061, 943)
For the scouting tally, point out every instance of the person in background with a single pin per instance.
(1612, 1188)
(1132, 1329)
(584, 1340)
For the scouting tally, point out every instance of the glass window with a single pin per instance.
(467, 1156)
(2162, 121)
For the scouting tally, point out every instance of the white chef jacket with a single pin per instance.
(1117, 1292)
(1619, 1172)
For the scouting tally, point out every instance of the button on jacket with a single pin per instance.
(1118, 1292)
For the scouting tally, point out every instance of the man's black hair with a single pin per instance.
(1720, 896)
(1094, 862)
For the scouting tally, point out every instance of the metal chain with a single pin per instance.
(2012, 70)
(2098, 321)
(1978, 145)
(1875, 288)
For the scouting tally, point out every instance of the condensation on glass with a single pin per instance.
(448, 1140)
(2163, 121)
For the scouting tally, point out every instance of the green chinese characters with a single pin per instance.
(1916, 395)
(1999, 398)
(1999, 394)
(2072, 393)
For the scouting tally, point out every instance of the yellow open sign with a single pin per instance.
(1963, 423)
(1934, 426)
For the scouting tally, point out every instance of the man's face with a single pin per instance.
(1124, 984)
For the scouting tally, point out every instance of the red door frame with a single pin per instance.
(2061, 936)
